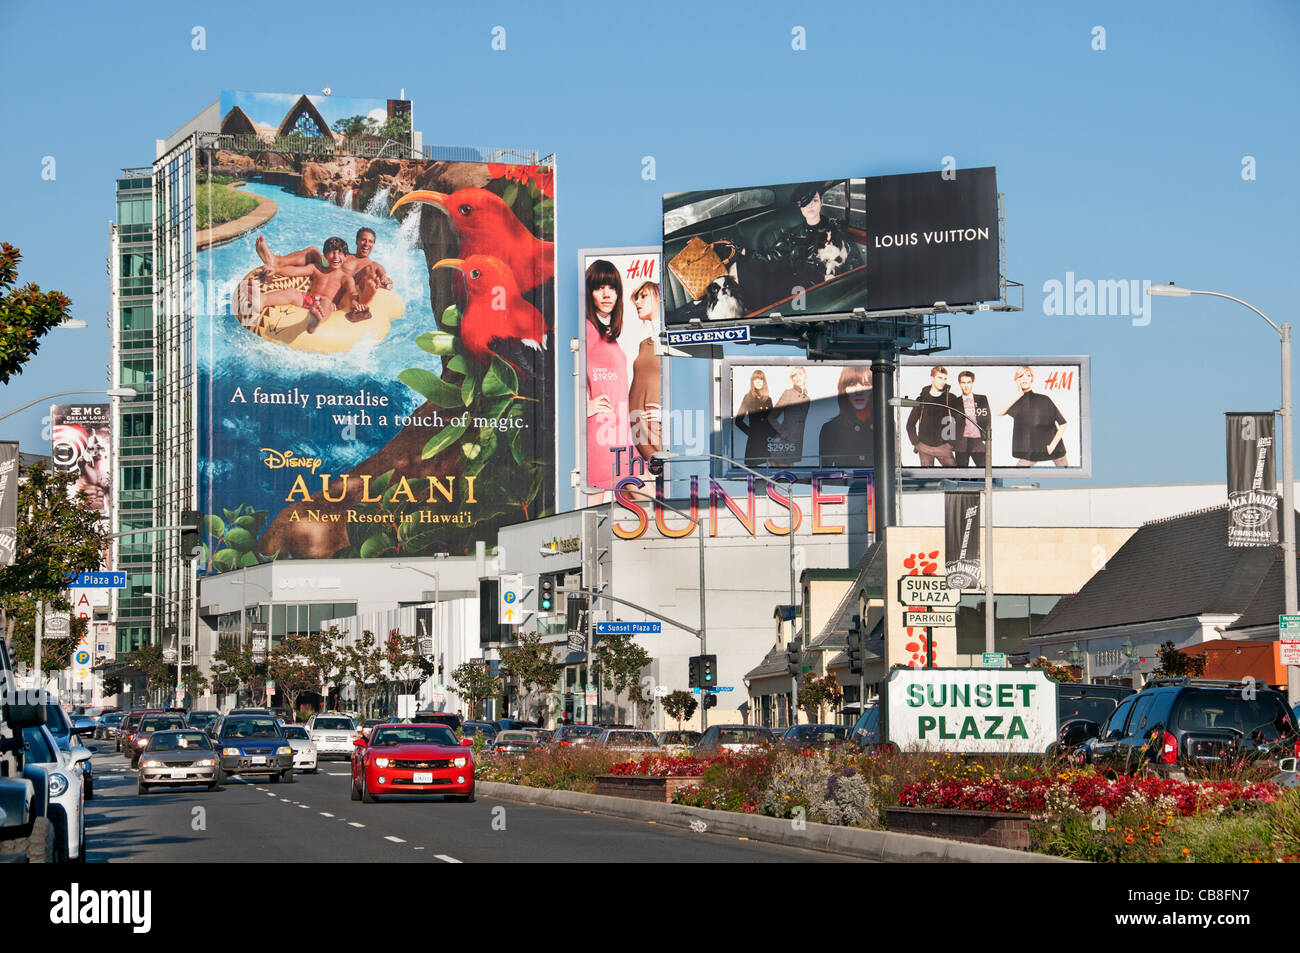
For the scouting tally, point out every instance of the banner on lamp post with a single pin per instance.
(8, 501)
(961, 535)
(1252, 480)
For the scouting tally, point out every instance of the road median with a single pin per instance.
(857, 842)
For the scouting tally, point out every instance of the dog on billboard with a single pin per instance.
(722, 300)
(831, 252)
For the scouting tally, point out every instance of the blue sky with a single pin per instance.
(1120, 164)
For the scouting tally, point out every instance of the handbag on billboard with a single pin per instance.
(698, 264)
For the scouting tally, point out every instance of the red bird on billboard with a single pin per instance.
(497, 319)
(486, 225)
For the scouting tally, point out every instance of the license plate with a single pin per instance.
(258, 759)
(177, 775)
(423, 777)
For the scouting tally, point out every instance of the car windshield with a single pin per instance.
(296, 731)
(162, 723)
(333, 724)
(1263, 718)
(413, 734)
(821, 732)
(1090, 709)
(180, 741)
(56, 721)
(515, 736)
(680, 738)
(252, 728)
(112, 718)
(579, 731)
(38, 749)
(639, 738)
(741, 736)
(201, 717)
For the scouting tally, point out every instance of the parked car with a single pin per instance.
(449, 719)
(1176, 723)
(58, 775)
(678, 742)
(732, 738)
(631, 741)
(148, 725)
(412, 759)
(255, 744)
(515, 742)
(183, 756)
(567, 735)
(106, 727)
(304, 752)
(332, 734)
(284, 714)
(868, 731)
(815, 736)
(513, 724)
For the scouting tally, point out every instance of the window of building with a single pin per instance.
(1015, 619)
(137, 478)
(137, 424)
(137, 264)
(134, 211)
(137, 372)
(137, 317)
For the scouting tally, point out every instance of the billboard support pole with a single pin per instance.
(882, 389)
(988, 538)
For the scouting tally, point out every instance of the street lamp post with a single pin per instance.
(126, 393)
(437, 598)
(664, 455)
(1288, 460)
(987, 433)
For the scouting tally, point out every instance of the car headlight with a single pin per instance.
(141, 742)
(151, 764)
(230, 752)
(381, 762)
(460, 762)
(205, 763)
(284, 749)
(58, 784)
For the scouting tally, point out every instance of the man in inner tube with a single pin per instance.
(359, 266)
(331, 289)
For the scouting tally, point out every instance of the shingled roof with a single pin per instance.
(1170, 568)
(1269, 600)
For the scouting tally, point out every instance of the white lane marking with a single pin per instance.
(339, 774)
(449, 860)
(268, 794)
(395, 840)
(355, 824)
(417, 848)
(326, 814)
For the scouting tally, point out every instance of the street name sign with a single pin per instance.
(98, 580)
(629, 628)
(930, 591)
(943, 619)
(716, 688)
(678, 337)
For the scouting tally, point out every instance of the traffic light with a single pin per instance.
(693, 672)
(854, 646)
(191, 533)
(708, 671)
(710, 700)
(545, 593)
(793, 659)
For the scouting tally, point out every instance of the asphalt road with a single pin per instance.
(314, 820)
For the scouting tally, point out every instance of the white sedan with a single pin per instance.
(332, 735)
(304, 752)
(61, 774)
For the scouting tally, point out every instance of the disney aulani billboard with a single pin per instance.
(375, 354)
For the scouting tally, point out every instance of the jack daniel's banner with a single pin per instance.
(8, 501)
(961, 535)
(1252, 480)
(424, 631)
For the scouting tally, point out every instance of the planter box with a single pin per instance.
(640, 786)
(975, 827)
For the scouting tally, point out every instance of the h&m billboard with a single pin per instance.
(880, 243)
(375, 353)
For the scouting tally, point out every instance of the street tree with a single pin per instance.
(407, 668)
(1057, 673)
(618, 664)
(815, 693)
(363, 662)
(300, 664)
(1174, 663)
(57, 536)
(232, 666)
(26, 315)
(531, 664)
(475, 682)
(680, 705)
(148, 661)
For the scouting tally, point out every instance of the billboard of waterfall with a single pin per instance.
(375, 354)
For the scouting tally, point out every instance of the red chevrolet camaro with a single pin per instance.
(412, 759)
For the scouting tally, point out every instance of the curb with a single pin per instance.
(880, 846)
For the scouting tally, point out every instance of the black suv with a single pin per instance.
(1177, 722)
